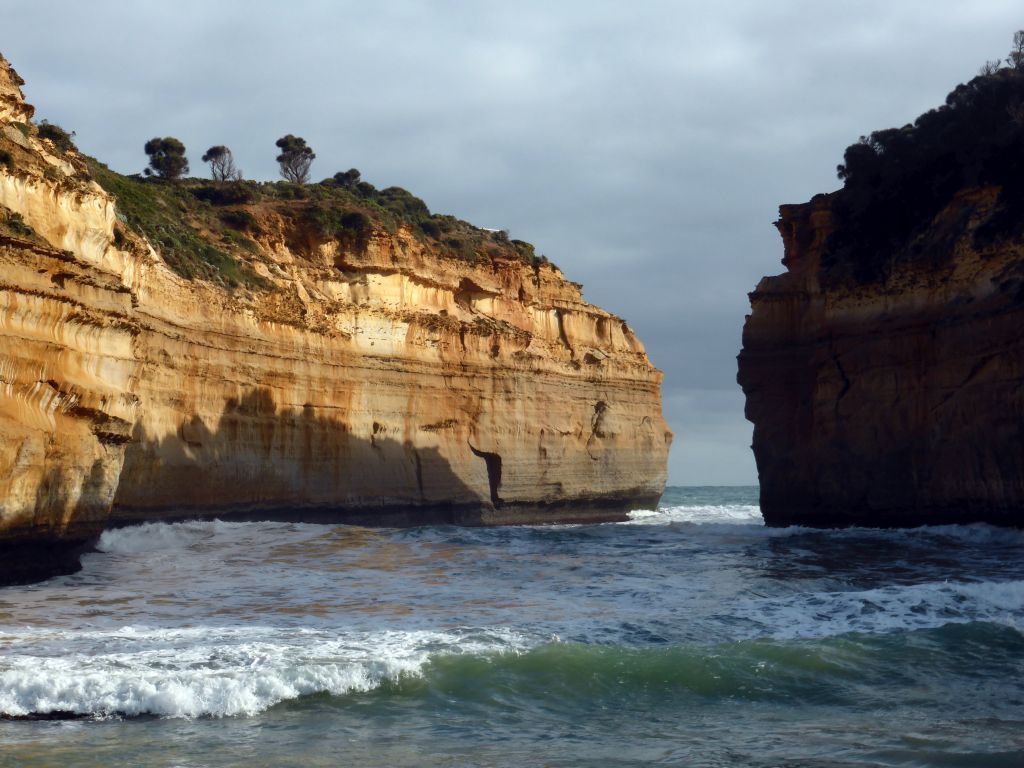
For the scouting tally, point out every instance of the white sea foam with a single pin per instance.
(722, 517)
(885, 609)
(157, 537)
(730, 514)
(210, 671)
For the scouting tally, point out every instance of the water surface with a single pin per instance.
(691, 635)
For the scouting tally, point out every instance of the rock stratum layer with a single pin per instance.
(890, 403)
(386, 382)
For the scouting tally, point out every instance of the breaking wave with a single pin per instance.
(213, 671)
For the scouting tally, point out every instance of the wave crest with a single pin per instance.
(174, 673)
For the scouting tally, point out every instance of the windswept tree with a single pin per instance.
(166, 158)
(1016, 57)
(222, 164)
(295, 158)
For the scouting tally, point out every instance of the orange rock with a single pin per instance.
(383, 385)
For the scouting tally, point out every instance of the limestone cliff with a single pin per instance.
(370, 373)
(884, 370)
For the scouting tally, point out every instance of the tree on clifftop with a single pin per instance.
(222, 164)
(166, 158)
(295, 158)
(1016, 57)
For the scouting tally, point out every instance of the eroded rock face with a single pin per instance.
(388, 382)
(892, 402)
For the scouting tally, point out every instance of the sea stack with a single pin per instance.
(884, 370)
(306, 352)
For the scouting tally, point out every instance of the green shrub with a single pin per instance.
(61, 139)
(286, 190)
(405, 205)
(444, 222)
(243, 221)
(354, 221)
(352, 229)
(347, 179)
(162, 213)
(227, 193)
(525, 250)
(355, 231)
(430, 228)
(243, 242)
(16, 224)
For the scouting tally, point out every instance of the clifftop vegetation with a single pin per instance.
(214, 229)
(211, 230)
(897, 180)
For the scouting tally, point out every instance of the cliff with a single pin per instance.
(169, 350)
(884, 370)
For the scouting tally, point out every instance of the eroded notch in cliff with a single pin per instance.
(469, 292)
(419, 469)
(562, 335)
(493, 461)
(845, 380)
(596, 422)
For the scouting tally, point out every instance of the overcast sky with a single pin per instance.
(643, 146)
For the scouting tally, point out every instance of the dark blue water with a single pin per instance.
(690, 636)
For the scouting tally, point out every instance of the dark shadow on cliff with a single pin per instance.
(45, 549)
(262, 462)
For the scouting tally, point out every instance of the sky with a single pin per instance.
(644, 147)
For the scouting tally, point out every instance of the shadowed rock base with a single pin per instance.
(31, 561)
(781, 514)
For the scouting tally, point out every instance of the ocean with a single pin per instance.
(691, 635)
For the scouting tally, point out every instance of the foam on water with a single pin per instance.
(730, 514)
(150, 537)
(156, 537)
(215, 619)
(884, 610)
(214, 671)
(714, 517)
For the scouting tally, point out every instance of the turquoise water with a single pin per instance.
(691, 635)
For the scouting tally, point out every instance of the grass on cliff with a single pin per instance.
(179, 226)
(350, 213)
(211, 230)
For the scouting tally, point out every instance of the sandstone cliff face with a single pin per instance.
(896, 401)
(392, 380)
